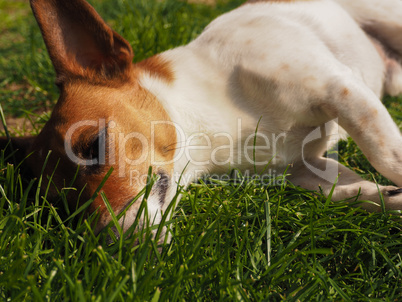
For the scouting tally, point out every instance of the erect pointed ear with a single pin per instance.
(15, 149)
(79, 42)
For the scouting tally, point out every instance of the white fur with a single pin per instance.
(296, 66)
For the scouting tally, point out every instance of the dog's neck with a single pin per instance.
(211, 129)
(197, 103)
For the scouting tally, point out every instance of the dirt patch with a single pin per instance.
(17, 126)
(208, 2)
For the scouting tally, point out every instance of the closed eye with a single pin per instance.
(93, 152)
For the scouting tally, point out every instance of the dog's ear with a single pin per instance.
(79, 41)
(15, 149)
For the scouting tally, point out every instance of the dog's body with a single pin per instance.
(251, 92)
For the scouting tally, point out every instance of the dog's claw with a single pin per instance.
(395, 192)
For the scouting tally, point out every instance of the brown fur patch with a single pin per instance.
(345, 92)
(157, 66)
(99, 88)
(82, 45)
(373, 112)
(132, 109)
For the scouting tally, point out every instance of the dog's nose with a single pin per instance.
(109, 239)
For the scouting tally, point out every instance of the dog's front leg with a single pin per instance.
(348, 185)
(368, 122)
(359, 111)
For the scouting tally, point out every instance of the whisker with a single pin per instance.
(168, 150)
(174, 144)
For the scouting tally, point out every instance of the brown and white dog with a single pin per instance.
(268, 85)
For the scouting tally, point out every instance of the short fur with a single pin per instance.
(290, 67)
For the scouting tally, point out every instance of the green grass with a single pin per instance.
(230, 241)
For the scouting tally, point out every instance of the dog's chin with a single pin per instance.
(161, 192)
(154, 209)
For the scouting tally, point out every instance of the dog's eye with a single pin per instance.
(94, 150)
(91, 152)
(90, 149)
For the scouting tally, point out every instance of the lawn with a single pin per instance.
(231, 240)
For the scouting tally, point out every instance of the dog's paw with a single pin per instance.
(394, 192)
(392, 198)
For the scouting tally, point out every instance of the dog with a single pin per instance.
(270, 85)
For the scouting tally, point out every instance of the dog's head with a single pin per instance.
(103, 119)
